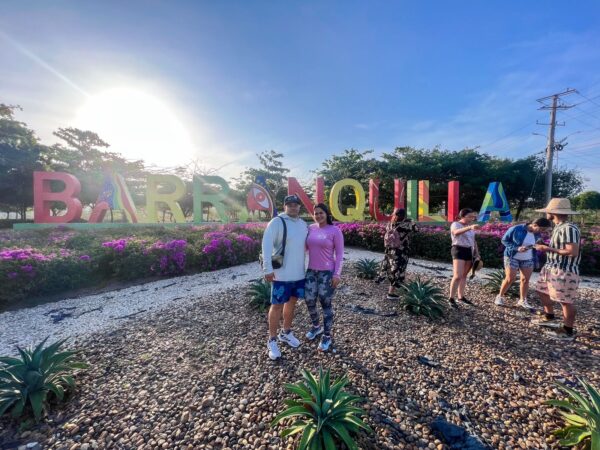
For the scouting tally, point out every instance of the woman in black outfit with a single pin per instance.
(397, 247)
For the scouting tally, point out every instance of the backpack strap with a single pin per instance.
(284, 237)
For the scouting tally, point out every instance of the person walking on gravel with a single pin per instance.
(396, 243)
(464, 248)
(559, 278)
(325, 244)
(287, 280)
(520, 256)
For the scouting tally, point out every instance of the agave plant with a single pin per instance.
(367, 268)
(32, 379)
(493, 282)
(422, 297)
(260, 294)
(582, 417)
(324, 414)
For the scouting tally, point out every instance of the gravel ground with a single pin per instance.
(194, 373)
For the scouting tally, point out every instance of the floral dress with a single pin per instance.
(393, 266)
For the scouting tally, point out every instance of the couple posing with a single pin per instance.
(288, 235)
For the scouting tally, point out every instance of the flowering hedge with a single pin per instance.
(41, 262)
(433, 242)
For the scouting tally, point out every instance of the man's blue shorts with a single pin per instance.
(282, 291)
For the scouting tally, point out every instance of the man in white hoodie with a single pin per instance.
(288, 280)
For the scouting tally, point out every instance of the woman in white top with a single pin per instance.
(463, 249)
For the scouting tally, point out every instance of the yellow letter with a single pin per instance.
(353, 214)
(153, 197)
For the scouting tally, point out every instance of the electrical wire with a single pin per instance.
(587, 99)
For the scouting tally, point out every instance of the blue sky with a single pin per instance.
(308, 79)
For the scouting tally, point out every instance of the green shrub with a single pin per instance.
(28, 383)
(324, 414)
(367, 268)
(260, 295)
(582, 417)
(422, 297)
(130, 263)
(493, 282)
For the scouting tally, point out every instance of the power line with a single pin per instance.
(591, 144)
(583, 122)
(583, 157)
(505, 136)
(589, 99)
(588, 113)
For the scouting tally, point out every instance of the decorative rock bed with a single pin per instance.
(181, 363)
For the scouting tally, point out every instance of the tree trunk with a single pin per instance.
(519, 209)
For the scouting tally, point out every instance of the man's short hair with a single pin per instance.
(542, 222)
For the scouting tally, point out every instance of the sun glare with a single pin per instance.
(137, 125)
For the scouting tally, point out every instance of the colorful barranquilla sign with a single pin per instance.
(413, 195)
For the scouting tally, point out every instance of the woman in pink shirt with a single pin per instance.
(325, 244)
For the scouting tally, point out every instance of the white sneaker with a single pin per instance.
(314, 332)
(523, 303)
(289, 339)
(499, 300)
(274, 352)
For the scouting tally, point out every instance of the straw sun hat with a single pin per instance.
(558, 206)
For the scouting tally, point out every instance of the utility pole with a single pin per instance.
(550, 146)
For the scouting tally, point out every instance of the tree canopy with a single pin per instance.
(587, 200)
(272, 169)
(20, 156)
(522, 179)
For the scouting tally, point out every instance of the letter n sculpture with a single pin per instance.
(495, 200)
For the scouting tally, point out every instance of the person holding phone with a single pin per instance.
(464, 247)
(559, 279)
(520, 256)
(325, 244)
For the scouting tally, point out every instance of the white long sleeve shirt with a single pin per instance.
(293, 268)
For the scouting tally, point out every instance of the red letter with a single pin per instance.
(295, 188)
(43, 197)
(374, 210)
(453, 200)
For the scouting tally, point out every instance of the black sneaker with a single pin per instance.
(453, 303)
(393, 297)
(467, 301)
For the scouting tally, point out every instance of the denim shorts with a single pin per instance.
(514, 263)
(282, 291)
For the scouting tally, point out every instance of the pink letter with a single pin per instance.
(43, 197)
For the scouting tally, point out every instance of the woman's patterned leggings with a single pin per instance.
(318, 284)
